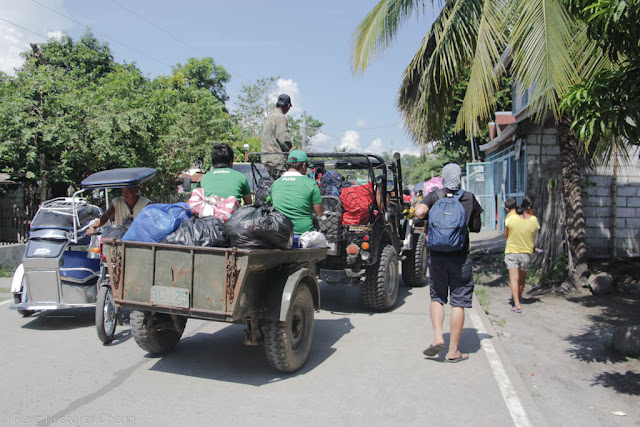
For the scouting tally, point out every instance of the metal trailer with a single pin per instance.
(273, 292)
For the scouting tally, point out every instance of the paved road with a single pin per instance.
(364, 369)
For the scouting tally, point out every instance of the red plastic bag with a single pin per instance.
(356, 202)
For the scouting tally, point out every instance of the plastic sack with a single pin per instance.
(208, 231)
(256, 228)
(263, 190)
(213, 205)
(312, 239)
(157, 221)
(356, 202)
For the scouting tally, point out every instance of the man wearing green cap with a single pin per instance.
(296, 195)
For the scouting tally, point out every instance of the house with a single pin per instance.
(523, 159)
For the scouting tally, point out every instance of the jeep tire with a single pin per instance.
(416, 265)
(380, 287)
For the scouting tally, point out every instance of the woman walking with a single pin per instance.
(520, 231)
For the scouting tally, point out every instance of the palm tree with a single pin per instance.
(547, 47)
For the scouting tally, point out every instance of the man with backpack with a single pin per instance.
(453, 212)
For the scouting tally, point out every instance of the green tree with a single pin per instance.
(311, 128)
(545, 43)
(253, 105)
(202, 74)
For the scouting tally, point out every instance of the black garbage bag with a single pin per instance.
(208, 231)
(262, 190)
(259, 228)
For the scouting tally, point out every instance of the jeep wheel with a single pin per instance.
(380, 288)
(154, 340)
(287, 343)
(415, 266)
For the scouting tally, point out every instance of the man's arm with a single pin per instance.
(283, 137)
(318, 209)
(421, 210)
(506, 232)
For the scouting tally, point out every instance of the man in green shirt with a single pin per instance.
(223, 181)
(296, 195)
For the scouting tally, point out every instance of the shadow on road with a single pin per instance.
(593, 345)
(57, 320)
(340, 299)
(627, 383)
(223, 356)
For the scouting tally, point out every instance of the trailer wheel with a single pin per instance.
(415, 266)
(380, 288)
(17, 299)
(106, 315)
(149, 337)
(287, 343)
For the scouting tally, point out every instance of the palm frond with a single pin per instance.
(590, 58)
(429, 80)
(479, 100)
(541, 40)
(378, 29)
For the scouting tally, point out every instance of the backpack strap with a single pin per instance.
(459, 195)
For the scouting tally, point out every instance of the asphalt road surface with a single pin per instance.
(364, 369)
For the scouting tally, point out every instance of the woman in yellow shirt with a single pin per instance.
(520, 231)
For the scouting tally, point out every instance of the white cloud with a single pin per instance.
(376, 147)
(350, 141)
(56, 35)
(320, 142)
(15, 40)
(410, 151)
(361, 123)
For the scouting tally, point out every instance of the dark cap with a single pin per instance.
(283, 100)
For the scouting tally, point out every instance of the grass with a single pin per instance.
(483, 298)
(6, 272)
(501, 322)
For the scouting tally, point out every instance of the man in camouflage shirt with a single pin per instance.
(276, 137)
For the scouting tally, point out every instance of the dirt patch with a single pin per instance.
(561, 343)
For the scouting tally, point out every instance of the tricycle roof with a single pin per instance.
(118, 178)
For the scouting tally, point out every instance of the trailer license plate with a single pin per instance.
(166, 295)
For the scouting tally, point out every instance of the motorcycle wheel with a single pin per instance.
(106, 315)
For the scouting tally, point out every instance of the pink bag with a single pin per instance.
(213, 205)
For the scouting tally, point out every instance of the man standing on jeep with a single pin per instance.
(451, 271)
(276, 137)
(296, 195)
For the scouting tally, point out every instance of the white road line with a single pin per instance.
(6, 302)
(509, 395)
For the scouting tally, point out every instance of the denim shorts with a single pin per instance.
(519, 261)
(451, 275)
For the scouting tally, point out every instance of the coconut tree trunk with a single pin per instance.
(572, 192)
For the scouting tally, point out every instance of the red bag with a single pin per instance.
(356, 202)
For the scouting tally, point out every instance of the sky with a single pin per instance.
(307, 44)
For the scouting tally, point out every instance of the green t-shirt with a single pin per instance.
(294, 196)
(225, 182)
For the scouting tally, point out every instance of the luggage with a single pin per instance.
(157, 221)
(207, 231)
(263, 191)
(331, 183)
(356, 202)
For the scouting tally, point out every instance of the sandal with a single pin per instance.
(462, 357)
(516, 310)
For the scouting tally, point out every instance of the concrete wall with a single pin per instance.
(599, 213)
(543, 155)
(11, 255)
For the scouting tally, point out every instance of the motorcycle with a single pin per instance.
(63, 267)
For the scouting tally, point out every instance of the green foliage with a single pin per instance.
(253, 105)
(71, 111)
(609, 101)
(312, 127)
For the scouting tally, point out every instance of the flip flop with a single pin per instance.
(433, 350)
(461, 358)
(516, 310)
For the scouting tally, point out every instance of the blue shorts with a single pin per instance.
(452, 275)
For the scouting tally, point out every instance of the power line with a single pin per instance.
(155, 26)
(102, 34)
(23, 28)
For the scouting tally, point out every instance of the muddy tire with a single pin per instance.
(17, 299)
(416, 266)
(155, 341)
(106, 315)
(287, 344)
(380, 288)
